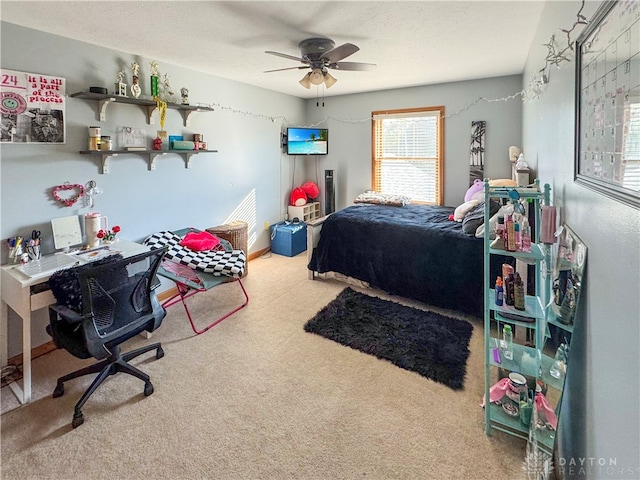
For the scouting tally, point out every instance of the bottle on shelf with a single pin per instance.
(508, 290)
(499, 291)
(559, 362)
(526, 236)
(518, 293)
(516, 236)
(507, 342)
(510, 238)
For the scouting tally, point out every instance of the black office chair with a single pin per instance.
(117, 300)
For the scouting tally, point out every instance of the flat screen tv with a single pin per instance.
(307, 141)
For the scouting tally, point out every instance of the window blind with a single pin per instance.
(407, 153)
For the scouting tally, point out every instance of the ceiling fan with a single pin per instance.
(320, 55)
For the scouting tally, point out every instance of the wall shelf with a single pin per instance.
(148, 106)
(151, 155)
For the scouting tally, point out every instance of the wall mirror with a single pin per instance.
(569, 257)
(568, 275)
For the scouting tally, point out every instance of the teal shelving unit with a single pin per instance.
(535, 319)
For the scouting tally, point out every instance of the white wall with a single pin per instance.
(348, 118)
(600, 417)
(249, 162)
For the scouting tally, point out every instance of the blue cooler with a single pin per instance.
(288, 239)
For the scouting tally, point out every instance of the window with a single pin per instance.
(407, 150)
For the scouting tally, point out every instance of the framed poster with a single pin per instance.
(32, 108)
(607, 139)
(476, 158)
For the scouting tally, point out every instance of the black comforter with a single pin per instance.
(413, 251)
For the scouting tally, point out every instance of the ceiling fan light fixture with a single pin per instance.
(316, 77)
(329, 80)
(305, 82)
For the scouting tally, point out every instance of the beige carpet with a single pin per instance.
(256, 397)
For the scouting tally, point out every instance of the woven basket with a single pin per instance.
(237, 234)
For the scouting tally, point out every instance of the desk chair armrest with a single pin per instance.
(70, 316)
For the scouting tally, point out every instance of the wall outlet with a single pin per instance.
(266, 225)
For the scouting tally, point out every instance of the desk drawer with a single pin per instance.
(41, 300)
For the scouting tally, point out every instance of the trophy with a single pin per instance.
(154, 79)
(135, 88)
(121, 88)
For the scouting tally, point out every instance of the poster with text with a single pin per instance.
(32, 107)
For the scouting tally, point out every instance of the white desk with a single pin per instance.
(21, 293)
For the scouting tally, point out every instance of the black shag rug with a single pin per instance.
(433, 345)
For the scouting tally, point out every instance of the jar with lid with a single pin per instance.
(105, 143)
(94, 138)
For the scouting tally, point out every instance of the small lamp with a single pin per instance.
(305, 82)
(329, 80)
(316, 77)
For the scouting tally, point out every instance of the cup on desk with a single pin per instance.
(34, 252)
(15, 254)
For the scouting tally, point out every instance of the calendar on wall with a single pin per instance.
(32, 108)
(608, 102)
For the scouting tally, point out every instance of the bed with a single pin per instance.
(414, 251)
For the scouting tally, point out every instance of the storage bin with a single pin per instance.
(288, 239)
(237, 234)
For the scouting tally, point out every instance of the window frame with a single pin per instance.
(439, 182)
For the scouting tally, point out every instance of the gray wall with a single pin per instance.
(349, 123)
(600, 417)
(249, 170)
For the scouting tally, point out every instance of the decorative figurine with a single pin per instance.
(154, 79)
(135, 88)
(157, 143)
(184, 92)
(121, 88)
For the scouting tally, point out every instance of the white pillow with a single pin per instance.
(462, 210)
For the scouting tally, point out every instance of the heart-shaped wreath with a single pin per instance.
(78, 192)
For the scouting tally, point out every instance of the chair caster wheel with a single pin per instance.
(159, 353)
(59, 390)
(148, 389)
(78, 419)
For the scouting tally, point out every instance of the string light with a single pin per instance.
(554, 56)
(285, 121)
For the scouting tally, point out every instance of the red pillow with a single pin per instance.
(200, 241)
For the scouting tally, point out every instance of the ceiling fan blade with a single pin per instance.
(284, 55)
(338, 53)
(356, 66)
(304, 67)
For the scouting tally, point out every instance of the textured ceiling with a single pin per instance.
(412, 43)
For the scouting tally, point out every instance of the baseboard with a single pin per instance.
(50, 346)
(259, 253)
(35, 353)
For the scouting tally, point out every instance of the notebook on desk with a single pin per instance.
(46, 265)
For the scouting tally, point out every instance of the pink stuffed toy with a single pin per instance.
(298, 197)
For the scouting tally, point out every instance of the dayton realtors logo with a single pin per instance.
(598, 467)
